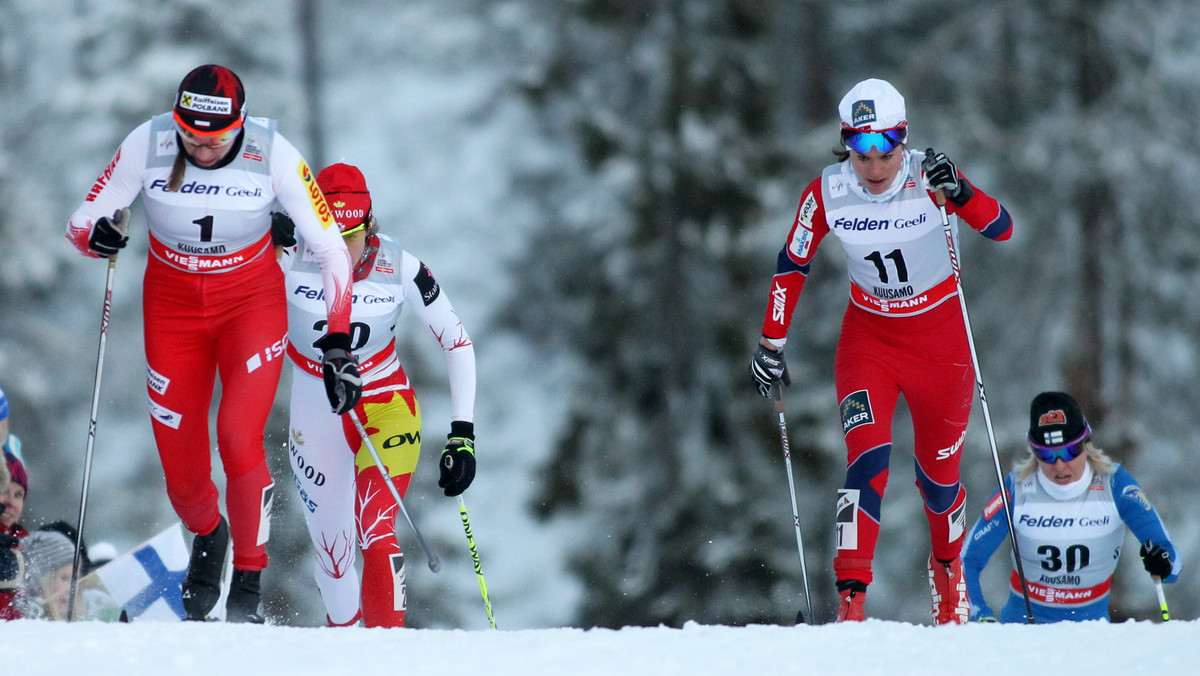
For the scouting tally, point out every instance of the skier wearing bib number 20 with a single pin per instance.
(903, 331)
(214, 305)
(346, 504)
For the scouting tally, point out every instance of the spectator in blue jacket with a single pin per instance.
(1070, 505)
(3, 418)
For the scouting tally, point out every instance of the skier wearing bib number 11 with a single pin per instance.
(903, 331)
(214, 305)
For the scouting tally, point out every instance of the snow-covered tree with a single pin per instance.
(650, 272)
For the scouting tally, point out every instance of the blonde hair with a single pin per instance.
(176, 178)
(1098, 459)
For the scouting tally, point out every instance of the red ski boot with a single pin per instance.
(853, 595)
(949, 591)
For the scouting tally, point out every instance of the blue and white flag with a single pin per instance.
(148, 581)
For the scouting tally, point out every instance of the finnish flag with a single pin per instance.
(148, 581)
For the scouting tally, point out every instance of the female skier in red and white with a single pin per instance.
(213, 301)
(346, 504)
(902, 333)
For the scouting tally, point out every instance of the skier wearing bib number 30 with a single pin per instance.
(1071, 506)
(214, 305)
(903, 331)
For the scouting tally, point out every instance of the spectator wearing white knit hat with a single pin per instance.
(48, 559)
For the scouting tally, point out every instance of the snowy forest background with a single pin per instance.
(602, 187)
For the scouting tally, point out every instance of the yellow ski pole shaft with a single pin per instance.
(466, 522)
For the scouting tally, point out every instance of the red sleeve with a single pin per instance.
(984, 213)
(794, 261)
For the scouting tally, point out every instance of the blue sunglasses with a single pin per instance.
(863, 141)
(1066, 452)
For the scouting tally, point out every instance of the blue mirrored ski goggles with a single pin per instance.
(863, 141)
(1066, 452)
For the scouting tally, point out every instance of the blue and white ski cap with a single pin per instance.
(872, 105)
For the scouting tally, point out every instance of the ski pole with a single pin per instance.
(466, 522)
(983, 402)
(1162, 599)
(435, 564)
(777, 390)
(91, 441)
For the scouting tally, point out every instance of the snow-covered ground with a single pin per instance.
(873, 647)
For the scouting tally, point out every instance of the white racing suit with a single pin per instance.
(345, 503)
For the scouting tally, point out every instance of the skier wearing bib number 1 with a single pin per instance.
(903, 331)
(214, 305)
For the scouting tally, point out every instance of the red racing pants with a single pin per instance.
(926, 358)
(231, 324)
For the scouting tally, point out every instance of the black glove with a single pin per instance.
(283, 230)
(941, 174)
(767, 368)
(11, 567)
(458, 459)
(343, 385)
(110, 235)
(1155, 559)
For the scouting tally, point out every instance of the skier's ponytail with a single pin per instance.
(177, 170)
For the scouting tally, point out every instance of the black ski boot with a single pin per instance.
(244, 597)
(202, 583)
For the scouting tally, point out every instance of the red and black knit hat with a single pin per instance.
(210, 101)
(17, 469)
(345, 190)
